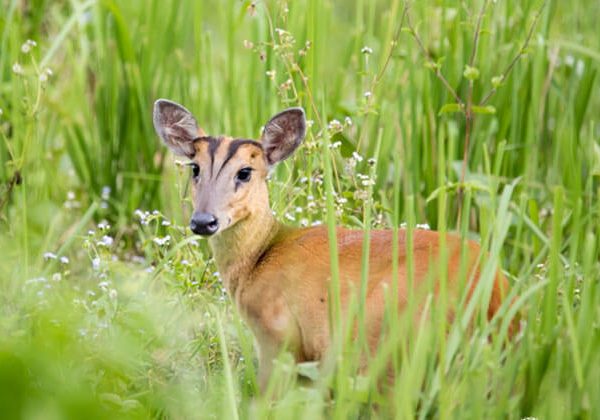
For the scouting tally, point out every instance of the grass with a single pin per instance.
(134, 321)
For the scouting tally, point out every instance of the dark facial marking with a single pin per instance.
(213, 145)
(233, 148)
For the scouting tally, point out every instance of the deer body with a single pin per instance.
(278, 276)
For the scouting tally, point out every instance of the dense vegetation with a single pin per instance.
(479, 117)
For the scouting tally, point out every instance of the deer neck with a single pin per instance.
(238, 249)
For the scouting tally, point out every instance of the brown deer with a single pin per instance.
(278, 275)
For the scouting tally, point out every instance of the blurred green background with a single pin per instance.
(109, 307)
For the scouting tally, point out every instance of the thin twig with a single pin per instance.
(512, 64)
(469, 108)
(477, 33)
(432, 63)
(393, 45)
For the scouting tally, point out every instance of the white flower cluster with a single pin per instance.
(71, 202)
(28, 46)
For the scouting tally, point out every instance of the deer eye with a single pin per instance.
(244, 175)
(195, 170)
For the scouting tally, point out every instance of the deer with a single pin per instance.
(278, 275)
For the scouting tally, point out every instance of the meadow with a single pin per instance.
(478, 117)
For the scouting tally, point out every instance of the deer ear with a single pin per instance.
(176, 126)
(283, 134)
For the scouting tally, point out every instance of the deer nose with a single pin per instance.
(204, 224)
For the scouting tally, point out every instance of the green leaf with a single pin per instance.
(309, 370)
(488, 109)
(450, 108)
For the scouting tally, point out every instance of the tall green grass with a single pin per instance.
(135, 323)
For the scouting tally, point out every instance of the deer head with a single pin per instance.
(228, 174)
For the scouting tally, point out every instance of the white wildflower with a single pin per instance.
(106, 241)
(161, 241)
(36, 280)
(64, 260)
(27, 46)
(335, 126)
(366, 50)
(143, 216)
(112, 294)
(49, 256)
(357, 156)
(96, 263)
(106, 192)
(368, 94)
(366, 182)
(17, 69)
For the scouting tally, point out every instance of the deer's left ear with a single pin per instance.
(283, 134)
(176, 126)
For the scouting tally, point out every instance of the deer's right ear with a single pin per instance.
(176, 126)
